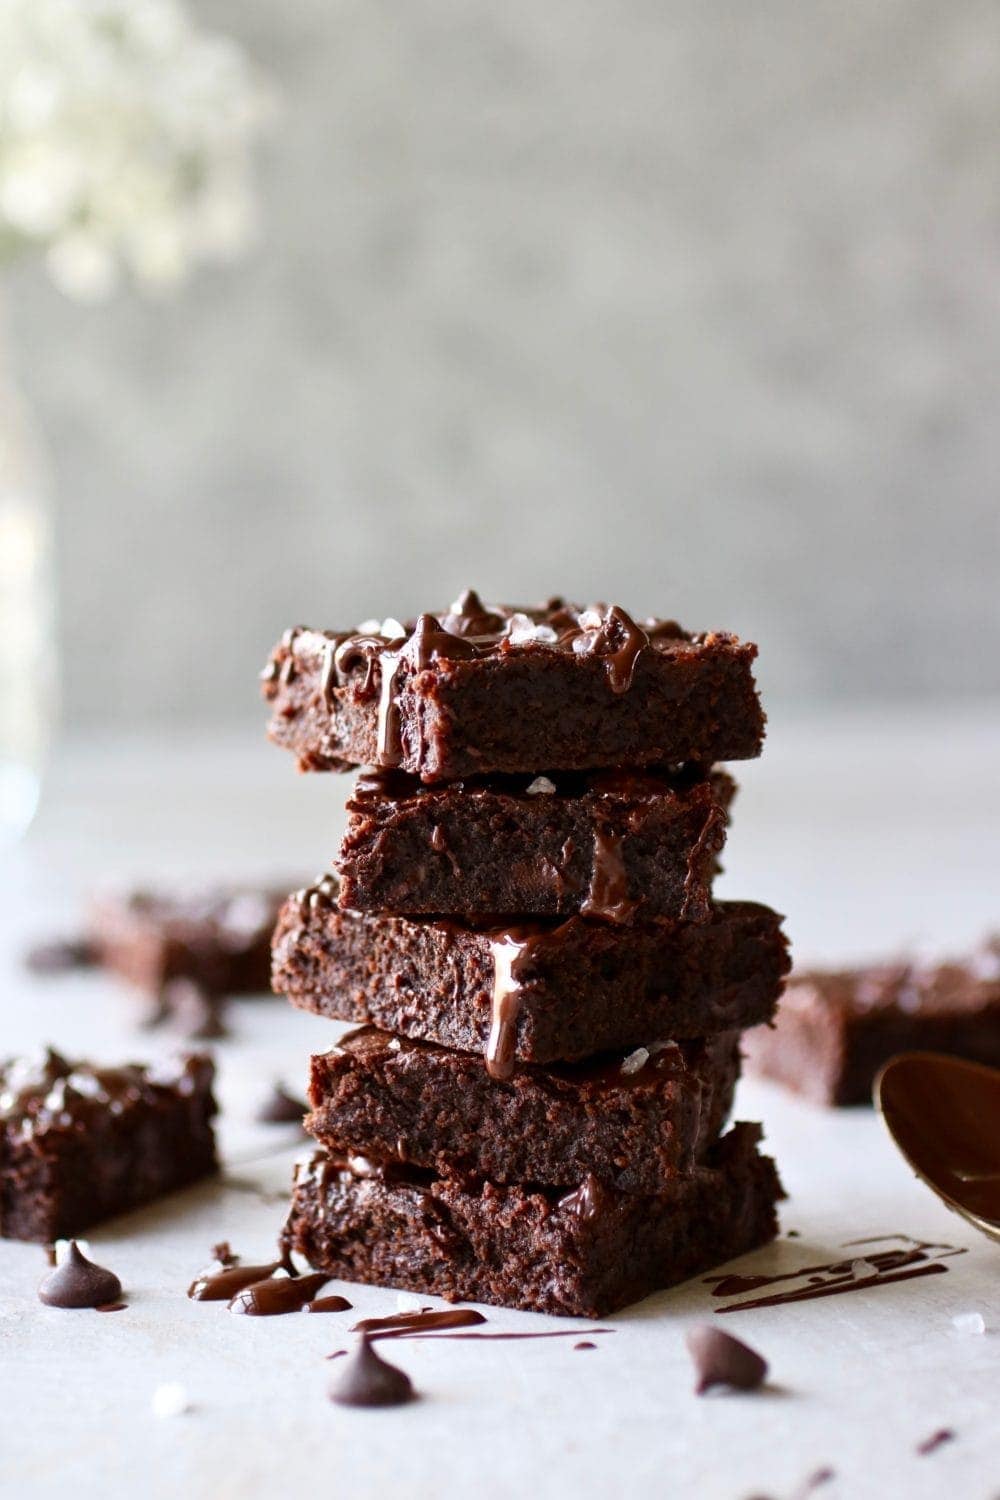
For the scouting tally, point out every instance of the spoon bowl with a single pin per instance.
(944, 1115)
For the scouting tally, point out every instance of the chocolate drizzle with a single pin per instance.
(277, 1294)
(221, 1282)
(403, 1325)
(620, 641)
(330, 1304)
(78, 1282)
(280, 1108)
(903, 1262)
(586, 1200)
(368, 1380)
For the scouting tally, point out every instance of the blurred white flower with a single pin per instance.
(125, 140)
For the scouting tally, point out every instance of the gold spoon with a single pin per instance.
(944, 1115)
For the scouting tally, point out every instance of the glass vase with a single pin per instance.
(28, 675)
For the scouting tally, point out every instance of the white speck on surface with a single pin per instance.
(969, 1322)
(170, 1400)
(635, 1060)
(541, 786)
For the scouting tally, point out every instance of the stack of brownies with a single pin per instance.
(532, 1113)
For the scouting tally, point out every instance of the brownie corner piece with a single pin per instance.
(80, 1143)
(583, 1253)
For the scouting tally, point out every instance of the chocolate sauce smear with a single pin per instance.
(719, 1359)
(330, 1304)
(61, 956)
(78, 1282)
(277, 1295)
(935, 1441)
(368, 1380)
(221, 1281)
(427, 1321)
(910, 1259)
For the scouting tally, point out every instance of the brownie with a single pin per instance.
(537, 992)
(215, 941)
(79, 1143)
(835, 1029)
(634, 1122)
(584, 1253)
(478, 689)
(622, 845)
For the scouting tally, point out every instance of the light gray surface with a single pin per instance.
(693, 306)
(867, 832)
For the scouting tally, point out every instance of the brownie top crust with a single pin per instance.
(48, 1094)
(364, 696)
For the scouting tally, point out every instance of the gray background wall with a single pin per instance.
(694, 305)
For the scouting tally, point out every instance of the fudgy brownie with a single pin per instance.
(834, 1030)
(217, 940)
(480, 688)
(621, 845)
(79, 1143)
(584, 1253)
(535, 992)
(633, 1122)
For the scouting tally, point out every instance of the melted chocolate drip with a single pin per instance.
(556, 1333)
(902, 1264)
(587, 1200)
(621, 642)
(368, 1380)
(511, 952)
(277, 1295)
(720, 1359)
(608, 895)
(585, 1344)
(330, 1304)
(280, 1108)
(78, 1282)
(227, 1275)
(428, 1321)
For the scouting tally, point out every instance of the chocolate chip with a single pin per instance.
(79, 1283)
(719, 1359)
(281, 1108)
(368, 1380)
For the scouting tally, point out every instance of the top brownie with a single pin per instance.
(493, 688)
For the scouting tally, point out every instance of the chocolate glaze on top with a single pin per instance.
(373, 658)
(49, 1093)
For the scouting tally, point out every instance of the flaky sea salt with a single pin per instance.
(635, 1060)
(541, 786)
(969, 1322)
(391, 629)
(170, 1400)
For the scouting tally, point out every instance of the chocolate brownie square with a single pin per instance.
(622, 845)
(834, 1030)
(479, 689)
(79, 1143)
(584, 1253)
(632, 1121)
(534, 992)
